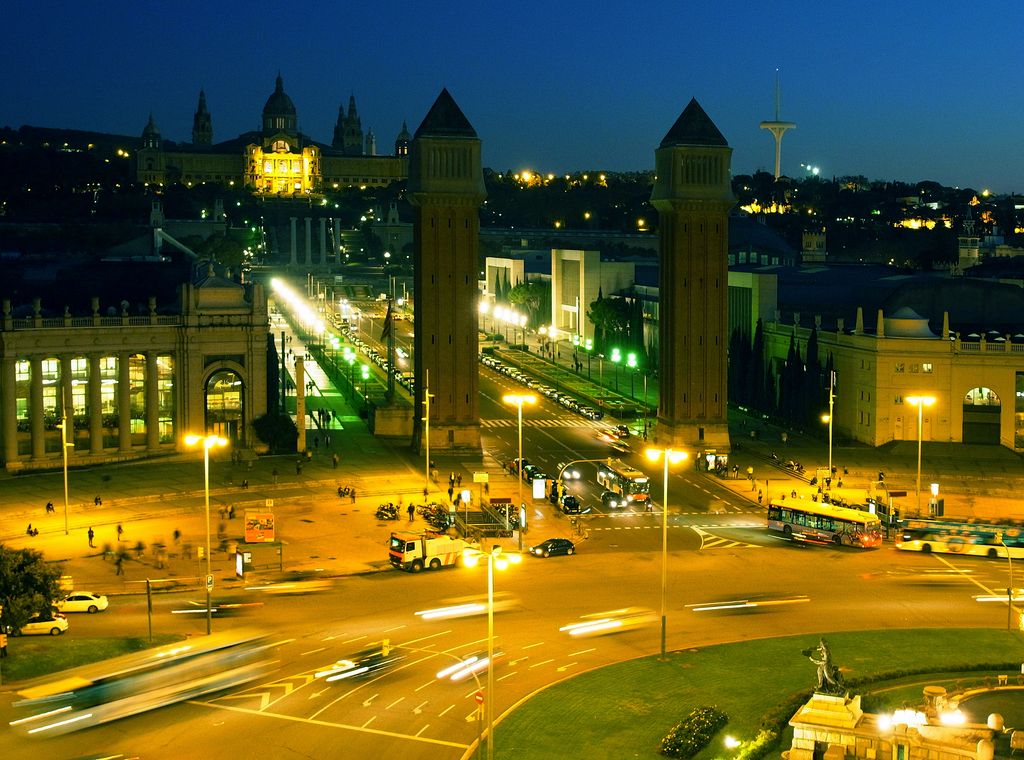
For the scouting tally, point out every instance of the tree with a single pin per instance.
(611, 317)
(28, 584)
(278, 431)
(529, 296)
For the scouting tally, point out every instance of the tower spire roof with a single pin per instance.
(446, 119)
(694, 127)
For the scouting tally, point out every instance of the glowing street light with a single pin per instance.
(208, 443)
(674, 457)
(920, 402)
(496, 558)
(517, 400)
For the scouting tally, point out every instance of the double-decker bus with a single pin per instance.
(951, 537)
(824, 523)
(135, 683)
(625, 480)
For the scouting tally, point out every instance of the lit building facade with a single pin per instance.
(132, 385)
(277, 160)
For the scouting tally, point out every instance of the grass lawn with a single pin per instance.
(624, 710)
(33, 656)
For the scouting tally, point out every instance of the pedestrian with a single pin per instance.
(458, 480)
(760, 496)
(736, 471)
(3, 644)
(30, 531)
(91, 535)
(451, 480)
(231, 512)
(49, 507)
(298, 466)
(451, 492)
(793, 494)
(274, 474)
(177, 536)
(426, 493)
(97, 501)
(327, 440)
(352, 495)
(487, 489)
(119, 564)
(412, 512)
(840, 483)
(120, 531)
(316, 441)
(245, 484)
(334, 461)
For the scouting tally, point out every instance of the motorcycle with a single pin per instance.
(387, 512)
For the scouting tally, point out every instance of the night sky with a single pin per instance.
(902, 89)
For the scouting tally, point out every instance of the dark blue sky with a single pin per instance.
(902, 89)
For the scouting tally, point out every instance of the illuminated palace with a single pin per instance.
(276, 160)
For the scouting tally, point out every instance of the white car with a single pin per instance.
(83, 601)
(37, 626)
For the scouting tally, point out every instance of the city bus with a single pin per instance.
(824, 523)
(134, 683)
(951, 537)
(625, 480)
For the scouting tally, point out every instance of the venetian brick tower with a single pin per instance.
(693, 195)
(446, 188)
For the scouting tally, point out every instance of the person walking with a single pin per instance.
(119, 564)
(120, 531)
(177, 536)
(91, 534)
(274, 474)
(334, 461)
(412, 512)
(49, 507)
(760, 497)
(451, 491)
(352, 495)
(458, 480)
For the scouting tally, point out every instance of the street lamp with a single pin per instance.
(496, 558)
(674, 457)
(63, 425)
(920, 402)
(827, 418)
(631, 363)
(517, 400)
(616, 357)
(365, 370)
(208, 442)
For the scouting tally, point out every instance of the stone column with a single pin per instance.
(152, 402)
(300, 404)
(295, 254)
(9, 410)
(95, 406)
(323, 241)
(124, 404)
(336, 253)
(309, 242)
(67, 399)
(35, 409)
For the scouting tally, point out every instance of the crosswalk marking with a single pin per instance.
(711, 541)
(556, 422)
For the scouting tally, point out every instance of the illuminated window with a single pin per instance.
(900, 367)
(926, 368)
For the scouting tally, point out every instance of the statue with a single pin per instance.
(830, 680)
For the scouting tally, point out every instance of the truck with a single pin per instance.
(414, 551)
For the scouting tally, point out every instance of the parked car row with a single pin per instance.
(405, 379)
(555, 395)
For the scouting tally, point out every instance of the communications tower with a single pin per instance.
(778, 127)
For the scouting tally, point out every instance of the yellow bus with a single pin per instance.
(951, 537)
(801, 520)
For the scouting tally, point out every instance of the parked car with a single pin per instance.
(82, 601)
(40, 625)
(553, 546)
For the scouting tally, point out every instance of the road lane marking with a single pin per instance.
(542, 662)
(394, 703)
(329, 724)
(531, 646)
(423, 638)
(366, 702)
(357, 638)
(507, 675)
(396, 628)
(420, 732)
(513, 662)
(419, 708)
(423, 686)
(370, 720)
(312, 651)
(446, 710)
(582, 651)
(564, 668)
(473, 715)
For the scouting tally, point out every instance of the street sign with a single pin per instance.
(479, 697)
(897, 494)
(480, 477)
(209, 583)
(270, 504)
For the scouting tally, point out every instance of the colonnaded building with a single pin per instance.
(277, 160)
(182, 350)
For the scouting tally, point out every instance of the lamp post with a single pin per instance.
(631, 363)
(616, 357)
(1009, 590)
(496, 558)
(426, 434)
(63, 425)
(920, 402)
(518, 399)
(365, 370)
(208, 442)
(830, 416)
(674, 457)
